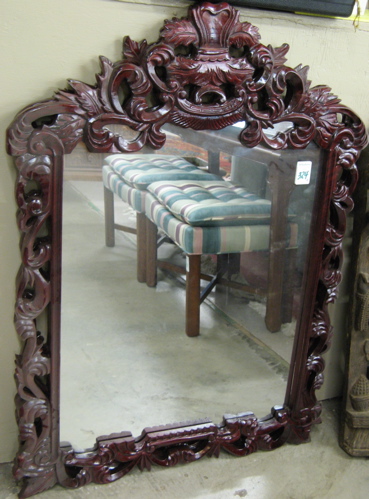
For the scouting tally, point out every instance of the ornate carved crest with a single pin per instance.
(207, 71)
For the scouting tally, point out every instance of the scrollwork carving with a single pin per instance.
(206, 71)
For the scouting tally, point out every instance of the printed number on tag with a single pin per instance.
(303, 172)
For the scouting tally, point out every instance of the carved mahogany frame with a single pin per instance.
(207, 71)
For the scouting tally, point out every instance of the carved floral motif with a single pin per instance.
(206, 71)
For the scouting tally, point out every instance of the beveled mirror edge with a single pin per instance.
(42, 133)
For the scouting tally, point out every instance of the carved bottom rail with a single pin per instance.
(117, 454)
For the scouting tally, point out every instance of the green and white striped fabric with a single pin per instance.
(215, 239)
(140, 170)
(134, 197)
(211, 203)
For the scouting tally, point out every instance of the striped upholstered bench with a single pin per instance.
(208, 217)
(128, 176)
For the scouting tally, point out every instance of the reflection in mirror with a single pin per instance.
(125, 355)
(122, 337)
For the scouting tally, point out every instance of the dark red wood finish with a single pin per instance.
(206, 71)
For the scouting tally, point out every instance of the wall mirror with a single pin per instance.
(103, 355)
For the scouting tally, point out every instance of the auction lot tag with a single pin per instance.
(303, 172)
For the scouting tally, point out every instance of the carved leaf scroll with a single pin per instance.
(179, 32)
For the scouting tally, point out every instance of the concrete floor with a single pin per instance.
(316, 469)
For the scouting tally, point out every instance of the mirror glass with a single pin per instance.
(126, 360)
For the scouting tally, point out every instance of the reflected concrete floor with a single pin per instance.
(318, 469)
(91, 192)
(125, 356)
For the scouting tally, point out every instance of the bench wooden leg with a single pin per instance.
(281, 183)
(273, 316)
(151, 252)
(193, 295)
(141, 247)
(109, 217)
(281, 284)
